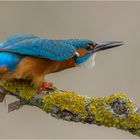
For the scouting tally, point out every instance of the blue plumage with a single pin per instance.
(10, 59)
(83, 58)
(15, 47)
(26, 44)
(77, 43)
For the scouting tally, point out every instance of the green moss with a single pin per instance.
(103, 112)
(65, 101)
(26, 91)
(123, 97)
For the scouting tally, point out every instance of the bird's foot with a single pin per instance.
(45, 86)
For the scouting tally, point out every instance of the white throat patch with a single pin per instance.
(90, 63)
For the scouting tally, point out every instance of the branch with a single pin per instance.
(116, 110)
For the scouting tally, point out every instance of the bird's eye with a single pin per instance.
(90, 47)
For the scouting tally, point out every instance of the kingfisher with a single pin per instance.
(26, 56)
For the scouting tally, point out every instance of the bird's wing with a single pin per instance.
(26, 44)
(17, 38)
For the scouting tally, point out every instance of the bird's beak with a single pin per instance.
(107, 45)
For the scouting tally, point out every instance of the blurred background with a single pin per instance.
(116, 70)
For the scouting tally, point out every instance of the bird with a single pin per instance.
(29, 57)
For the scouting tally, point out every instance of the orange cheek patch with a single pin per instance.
(82, 51)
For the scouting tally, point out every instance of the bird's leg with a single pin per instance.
(38, 81)
(44, 86)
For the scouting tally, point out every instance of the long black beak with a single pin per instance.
(107, 45)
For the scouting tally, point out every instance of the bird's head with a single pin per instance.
(86, 50)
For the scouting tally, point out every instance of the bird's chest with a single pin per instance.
(61, 65)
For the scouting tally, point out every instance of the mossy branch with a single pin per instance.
(116, 110)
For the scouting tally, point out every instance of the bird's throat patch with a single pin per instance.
(90, 63)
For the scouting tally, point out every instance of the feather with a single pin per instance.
(35, 46)
(10, 60)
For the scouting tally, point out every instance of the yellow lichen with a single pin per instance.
(102, 111)
(123, 97)
(65, 101)
(26, 91)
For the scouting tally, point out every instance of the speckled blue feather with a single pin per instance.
(77, 43)
(26, 44)
(35, 46)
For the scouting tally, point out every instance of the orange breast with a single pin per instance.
(35, 69)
